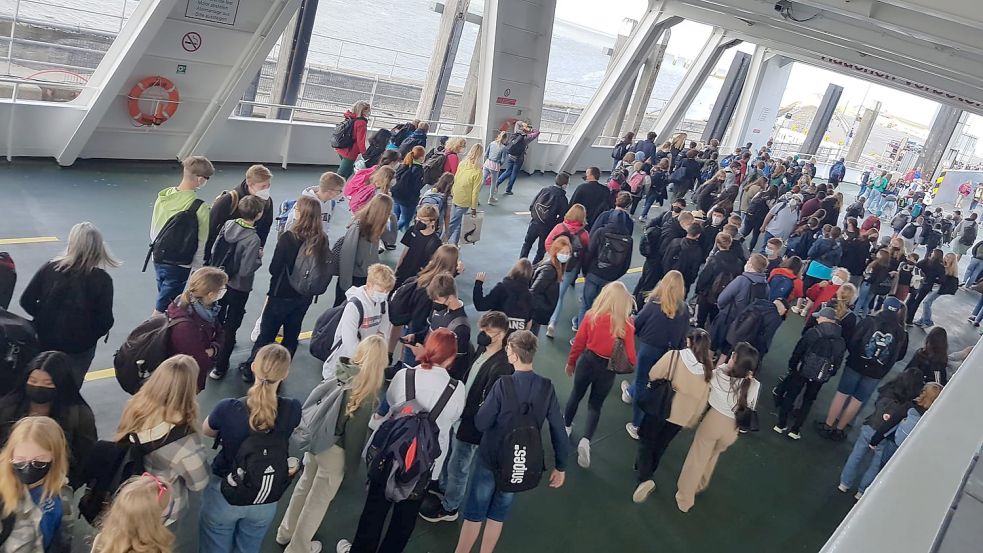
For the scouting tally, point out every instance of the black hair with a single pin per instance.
(380, 139)
(59, 368)
(936, 347)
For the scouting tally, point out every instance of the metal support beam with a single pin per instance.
(469, 96)
(592, 119)
(943, 127)
(613, 126)
(297, 60)
(282, 67)
(250, 96)
(696, 76)
(442, 60)
(727, 98)
(859, 140)
(646, 84)
(820, 123)
(749, 97)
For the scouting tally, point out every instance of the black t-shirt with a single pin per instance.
(230, 418)
(419, 249)
(455, 320)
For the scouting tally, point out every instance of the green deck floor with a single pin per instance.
(769, 494)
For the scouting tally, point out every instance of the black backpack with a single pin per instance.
(109, 464)
(517, 145)
(323, 342)
(544, 207)
(747, 325)
(433, 167)
(651, 238)
(820, 362)
(344, 133)
(146, 347)
(177, 241)
(717, 286)
(224, 256)
(909, 231)
(260, 474)
(401, 303)
(615, 250)
(404, 449)
(8, 279)
(521, 461)
(18, 345)
(969, 235)
(620, 150)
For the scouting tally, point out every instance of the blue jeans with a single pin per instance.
(404, 215)
(454, 478)
(874, 201)
(453, 233)
(484, 502)
(592, 288)
(647, 356)
(853, 466)
(863, 300)
(569, 278)
(487, 175)
(171, 280)
(863, 188)
(764, 243)
(228, 528)
(973, 271)
(511, 172)
(978, 311)
(927, 307)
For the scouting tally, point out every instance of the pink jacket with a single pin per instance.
(358, 189)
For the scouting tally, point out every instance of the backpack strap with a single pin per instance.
(361, 315)
(410, 384)
(445, 397)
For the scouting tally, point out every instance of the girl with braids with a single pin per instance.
(241, 528)
(198, 332)
(135, 522)
(732, 389)
(361, 377)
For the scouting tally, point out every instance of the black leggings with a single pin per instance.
(654, 437)
(792, 387)
(914, 300)
(373, 519)
(592, 372)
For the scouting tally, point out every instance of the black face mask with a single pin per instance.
(439, 307)
(31, 472)
(677, 209)
(484, 340)
(40, 394)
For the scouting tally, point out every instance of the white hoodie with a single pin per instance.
(327, 209)
(351, 331)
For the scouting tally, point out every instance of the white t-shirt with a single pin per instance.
(782, 221)
(723, 399)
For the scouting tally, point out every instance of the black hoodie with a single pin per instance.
(510, 296)
(223, 210)
(496, 366)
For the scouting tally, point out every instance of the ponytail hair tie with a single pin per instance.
(265, 381)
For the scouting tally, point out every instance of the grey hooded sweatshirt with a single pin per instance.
(247, 246)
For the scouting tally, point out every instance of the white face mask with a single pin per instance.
(772, 252)
(378, 297)
(718, 220)
(748, 268)
(221, 294)
(263, 194)
(838, 281)
(202, 181)
(563, 257)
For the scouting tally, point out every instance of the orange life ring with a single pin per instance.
(163, 110)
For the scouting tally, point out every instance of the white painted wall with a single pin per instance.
(768, 100)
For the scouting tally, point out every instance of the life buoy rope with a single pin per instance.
(163, 109)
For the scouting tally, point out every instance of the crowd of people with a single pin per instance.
(445, 408)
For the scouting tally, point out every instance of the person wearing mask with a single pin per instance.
(721, 268)
(511, 296)
(224, 526)
(658, 234)
(690, 371)
(432, 383)
(327, 465)
(490, 364)
(816, 358)
(225, 208)
(933, 270)
(237, 246)
(706, 194)
(364, 315)
(546, 210)
(685, 255)
(439, 196)
(733, 390)
(780, 220)
(421, 243)
(71, 298)
(496, 153)
(660, 326)
(823, 291)
(773, 253)
(615, 238)
(36, 502)
(409, 184)
(48, 389)
(412, 301)
(594, 196)
(448, 313)
(750, 285)
(711, 229)
(485, 503)
(878, 342)
(464, 194)
(285, 306)
(572, 228)
(607, 323)
(171, 278)
(198, 329)
(163, 415)
(546, 277)
(657, 191)
(360, 245)
(134, 521)
(358, 120)
(416, 137)
(518, 143)
(948, 284)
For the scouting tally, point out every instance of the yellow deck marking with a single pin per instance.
(523, 213)
(29, 240)
(580, 280)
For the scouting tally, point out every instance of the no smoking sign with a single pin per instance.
(191, 42)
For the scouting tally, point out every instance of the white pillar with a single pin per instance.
(749, 95)
(646, 84)
(442, 60)
(469, 96)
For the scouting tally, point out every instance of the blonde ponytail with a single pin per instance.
(270, 367)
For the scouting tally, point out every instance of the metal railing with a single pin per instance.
(15, 86)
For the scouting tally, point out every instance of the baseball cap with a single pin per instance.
(892, 304)
(827, 312)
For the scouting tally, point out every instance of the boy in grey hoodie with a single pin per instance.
(368, 317)
(238, 244)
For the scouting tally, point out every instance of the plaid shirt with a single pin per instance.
(26, 534)
(183, 465)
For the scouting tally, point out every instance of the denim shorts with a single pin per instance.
(483, 500)
(857, 385)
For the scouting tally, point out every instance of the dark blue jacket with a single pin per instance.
(655, 329)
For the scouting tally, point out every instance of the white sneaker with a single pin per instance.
(254, 335)
(315, 546)
(625, 396)
(632, 430)
(858, 496)
(843, 488)
(794, 435)
(583, 453)
(569, 430)
(550, 331)
(797, 310)
(375, 421)
(779, 429)
(344, 546)
(643, 491)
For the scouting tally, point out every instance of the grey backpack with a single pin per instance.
(310, 274)
(319, 417)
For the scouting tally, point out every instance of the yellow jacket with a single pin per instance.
(467, 185)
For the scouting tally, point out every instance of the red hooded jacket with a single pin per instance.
(359, 132)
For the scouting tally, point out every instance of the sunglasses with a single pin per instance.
(161, 487)
(33, 463)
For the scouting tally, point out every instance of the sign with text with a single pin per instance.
(214, 11)
(503, 101)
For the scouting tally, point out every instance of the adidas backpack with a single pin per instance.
(144, 350)
(403, 450)
(177, 241)
(521, 461)
(260, 474)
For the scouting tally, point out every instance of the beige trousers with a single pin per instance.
(715, 434)
(312, 495)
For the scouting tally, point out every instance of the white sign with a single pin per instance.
(215, 11)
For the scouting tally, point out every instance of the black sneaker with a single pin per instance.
(507, 193)
(216, 374)
(247, 374)
(439, 516)
(837, 435)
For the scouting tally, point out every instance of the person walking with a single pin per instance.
(496, 153)
(360, 245)
(522, 135)
(409, 185)
(464, 194)
(546, 211)
(354, 130)
(572, 228)
(594, 196)
(547, 276)
(933, 270)
(948, 284)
